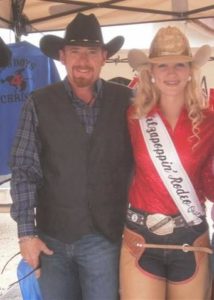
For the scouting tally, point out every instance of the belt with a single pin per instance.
(136, 243)
(159, 224)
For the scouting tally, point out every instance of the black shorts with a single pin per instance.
(173, 265)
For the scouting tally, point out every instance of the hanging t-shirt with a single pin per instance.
(29, 69)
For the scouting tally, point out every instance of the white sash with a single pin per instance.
(168, 165)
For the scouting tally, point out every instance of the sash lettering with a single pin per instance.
(168, 165)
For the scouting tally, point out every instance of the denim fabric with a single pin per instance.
(173, 265)
(84, 270)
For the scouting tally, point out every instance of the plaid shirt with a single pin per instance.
(25, 161)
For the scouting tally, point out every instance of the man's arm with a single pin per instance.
(26, 178)
(26, 171)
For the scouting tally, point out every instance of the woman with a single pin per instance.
(165, 251)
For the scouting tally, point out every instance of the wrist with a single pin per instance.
(27, 238)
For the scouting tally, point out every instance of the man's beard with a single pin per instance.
(83, 82)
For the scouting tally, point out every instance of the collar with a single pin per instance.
(97, 88)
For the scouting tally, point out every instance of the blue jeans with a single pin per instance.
(87, 269)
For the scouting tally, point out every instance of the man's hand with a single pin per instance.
(31, 248)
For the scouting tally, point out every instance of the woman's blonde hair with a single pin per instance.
(147, 96)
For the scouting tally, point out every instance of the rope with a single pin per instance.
(184, 247)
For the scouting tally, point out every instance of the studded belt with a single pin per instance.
(159, 224)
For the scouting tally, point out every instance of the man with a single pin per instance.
(72, 160)
(5, 54)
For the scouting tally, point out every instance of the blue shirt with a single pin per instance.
(28, 70)
(25, 160)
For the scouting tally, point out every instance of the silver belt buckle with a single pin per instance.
(160, 224)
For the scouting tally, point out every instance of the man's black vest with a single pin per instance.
(85, 177)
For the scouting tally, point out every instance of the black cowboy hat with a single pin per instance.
(5, 54)
(83, 30)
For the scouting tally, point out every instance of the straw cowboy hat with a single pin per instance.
(169, 45)
(83, 30)
(5, 54)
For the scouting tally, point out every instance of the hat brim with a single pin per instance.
(50, 45)
(170, 59)
(137, 58)
(114, 45)
(202, 56)
(5, 54)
